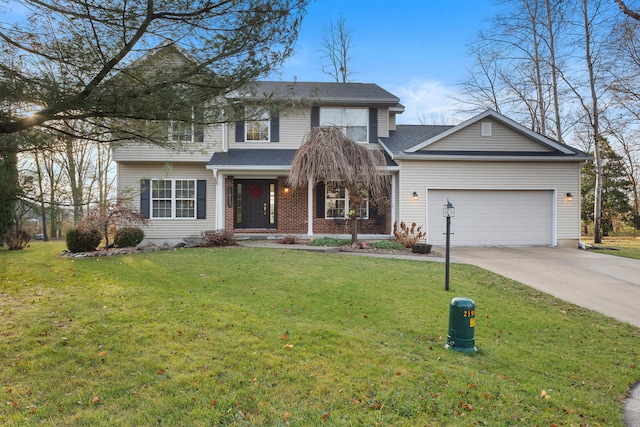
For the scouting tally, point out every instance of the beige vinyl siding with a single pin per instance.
(195, 152)
(169, 230)
(392, 121)
(561, 177)
(383, 122)
(502, 138)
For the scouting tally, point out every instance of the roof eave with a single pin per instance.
(492, 158)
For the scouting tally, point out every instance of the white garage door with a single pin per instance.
(492, 217)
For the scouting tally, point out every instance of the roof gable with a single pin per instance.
(506, 136)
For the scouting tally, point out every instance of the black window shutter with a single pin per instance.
(373, 124)
(199, 125)
(240, 124)
(239, 131)
(201, 199)
(275, 128)
(320, 200)
(145, 198)
(315, 116)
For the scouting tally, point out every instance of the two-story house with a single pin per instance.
(509, 185)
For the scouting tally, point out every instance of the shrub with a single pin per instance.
(218, 238)
(127, 237)
(328, 241)
(289, 240)
(408, 236)
(17, 240)
(386, 244)
(83, 240)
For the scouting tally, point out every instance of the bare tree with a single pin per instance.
(336, 43)
(327, 155)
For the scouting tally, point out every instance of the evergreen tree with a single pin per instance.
(616, 188)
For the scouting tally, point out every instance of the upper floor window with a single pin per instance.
(337, 202)
(184, 127)
(173, 198)
(257, 130)
(256, 125)
(354, 122)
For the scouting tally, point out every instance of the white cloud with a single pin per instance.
(427, 101)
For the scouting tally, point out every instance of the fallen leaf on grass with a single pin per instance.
(95, 400)
(289, 346)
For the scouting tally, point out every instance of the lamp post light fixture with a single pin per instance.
(448, 212)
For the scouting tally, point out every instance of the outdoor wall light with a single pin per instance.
(286, 190)
(415, 195)
(569, 196)
(229, 197)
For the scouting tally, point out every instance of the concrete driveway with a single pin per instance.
(604, 283)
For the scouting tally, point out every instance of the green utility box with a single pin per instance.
(462, 322)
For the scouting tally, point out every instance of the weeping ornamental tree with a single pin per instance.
(327, 155)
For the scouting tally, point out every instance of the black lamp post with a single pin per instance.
(448, 212)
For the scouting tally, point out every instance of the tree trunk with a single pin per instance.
(597, 199)
(554, 71)
(41, 198)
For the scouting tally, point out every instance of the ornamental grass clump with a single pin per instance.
(218, 238)
(18, 240)
(408, 236)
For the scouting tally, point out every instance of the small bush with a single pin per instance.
(81, 240)
(328, 241)
(386, 244)
(408, 236)
(127, 237)
(289, 240)
(218, 238)
(18, 240)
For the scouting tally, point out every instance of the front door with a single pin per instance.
(255, 205)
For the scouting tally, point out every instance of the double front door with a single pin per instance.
(255, 203)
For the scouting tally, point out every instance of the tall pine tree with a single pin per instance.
(616, 188)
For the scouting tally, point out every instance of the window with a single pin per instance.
(337, 202)
(257, 130)
(354, 122)
(183, 127)
(173, 198)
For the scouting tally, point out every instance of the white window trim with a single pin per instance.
(184, 124)
(344, 120)
(174, 199)
(264, 118)
(346, 205)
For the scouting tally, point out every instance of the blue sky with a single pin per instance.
(416, 49)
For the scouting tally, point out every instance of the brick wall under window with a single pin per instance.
(292, 216)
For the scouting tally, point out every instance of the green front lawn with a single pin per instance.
(625, 246)
(248, 336)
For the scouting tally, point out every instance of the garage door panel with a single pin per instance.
(492, 217)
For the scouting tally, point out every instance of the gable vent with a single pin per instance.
(486, 129)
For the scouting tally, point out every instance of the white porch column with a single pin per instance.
(394, 182)
(220, 196)
(310, 208)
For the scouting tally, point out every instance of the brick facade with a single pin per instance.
(292, 215)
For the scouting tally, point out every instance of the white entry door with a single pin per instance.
(492, 217)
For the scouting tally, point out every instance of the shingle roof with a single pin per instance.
(324, 92)
(253, 157)
(402, 142)
(263, 159)
(407, 136)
